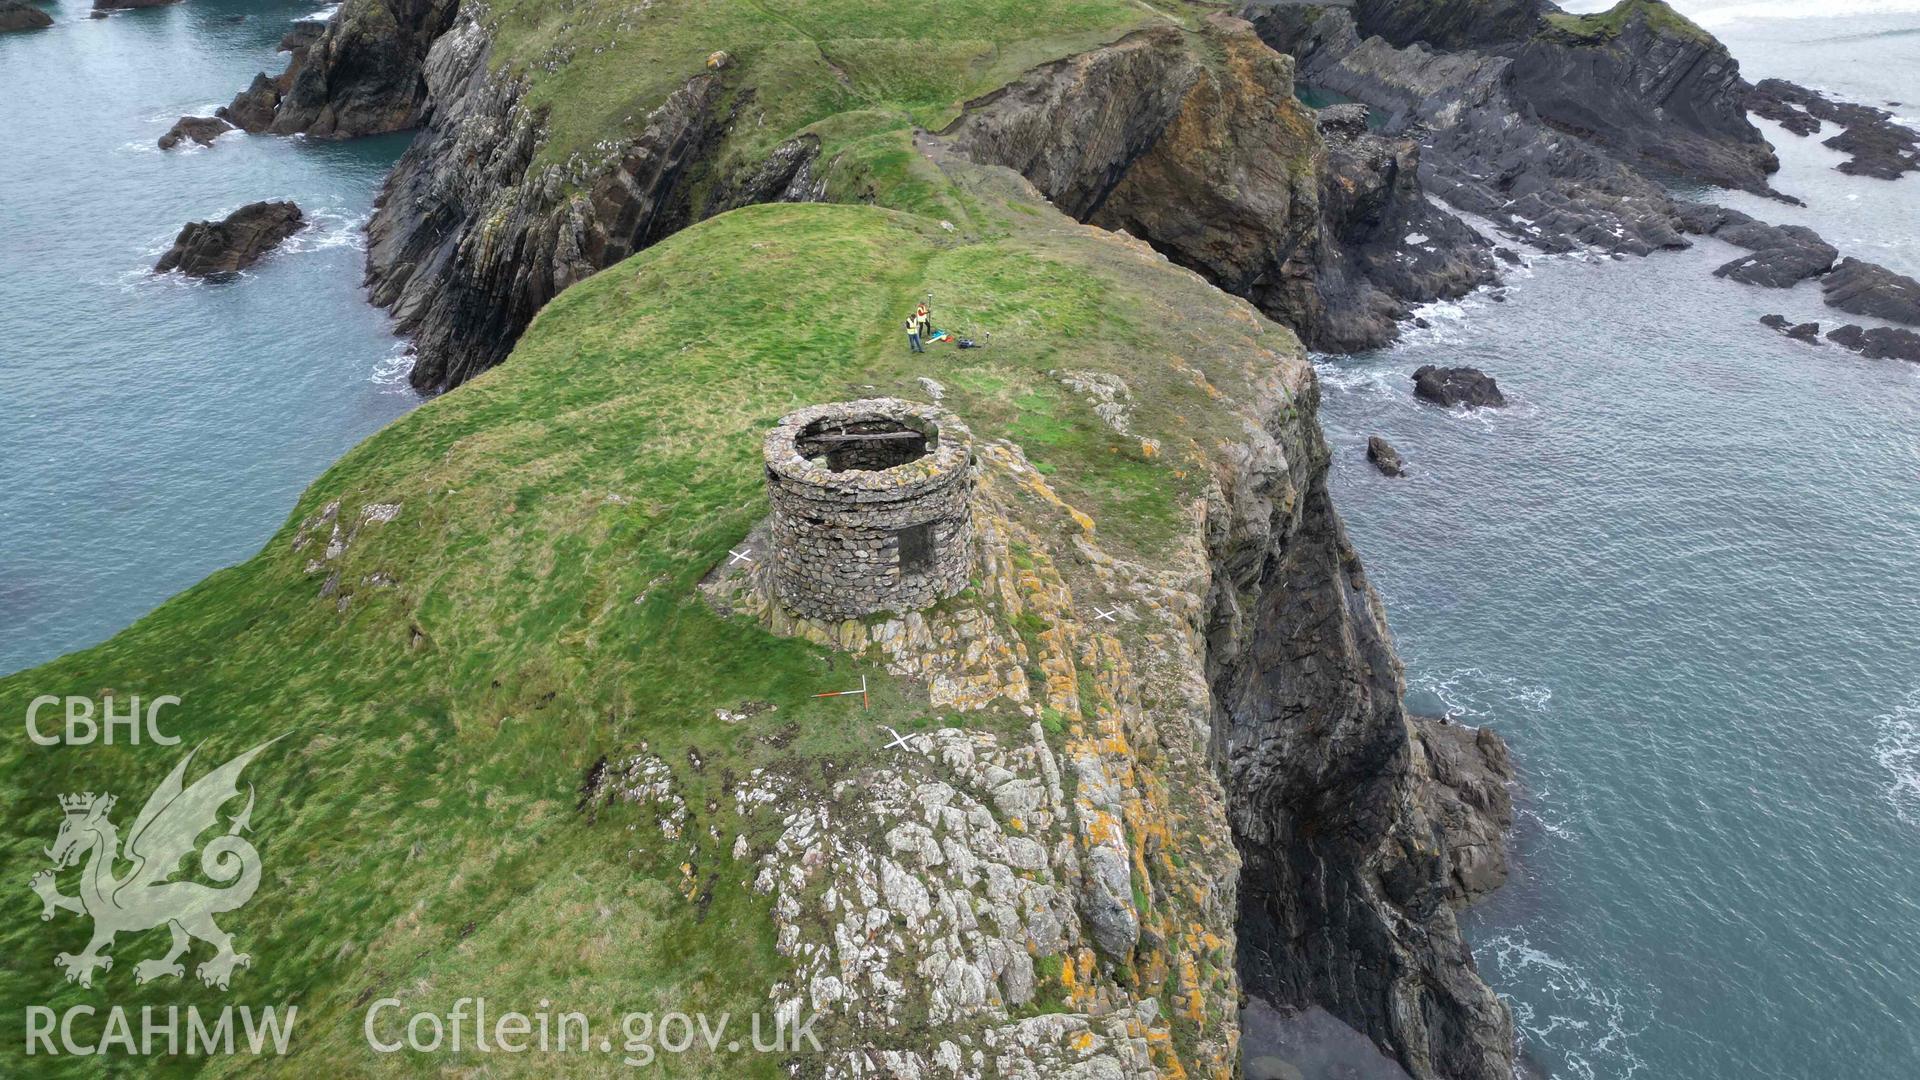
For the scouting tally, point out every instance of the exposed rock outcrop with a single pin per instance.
(1808, 332)
(1640, 81)
(220, 248)
(1542, 123)
(1878, 343)
(1384, 456)
(1875, 145)
(1472, 799)
(304, 33)
(1485, 150)
(252, 109)
(15, 15)
(1782, 255)
(362, 72)
(1864, 288)
(1219, 167)
(1352, 874)
(1650, 87)
(201, 129)
(1452, 386)
(470, 238)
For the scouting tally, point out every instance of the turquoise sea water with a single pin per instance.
(1682, 575)
(153, 429)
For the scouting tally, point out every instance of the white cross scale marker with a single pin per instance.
(899, 740)
(739, 556)
(1107, 615)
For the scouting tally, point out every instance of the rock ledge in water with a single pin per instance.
(1864, 288)
(219, 248)
(201, 129)
(1457, 386)
(1879, 343)
(15, 15)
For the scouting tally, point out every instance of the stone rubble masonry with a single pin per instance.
(838, 535)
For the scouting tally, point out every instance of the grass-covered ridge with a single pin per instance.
(597, 67)
(1601, 27)
(531, 607)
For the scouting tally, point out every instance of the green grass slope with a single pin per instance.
(442, 688)
(597, 67)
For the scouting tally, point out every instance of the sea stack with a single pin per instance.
(1385, 457)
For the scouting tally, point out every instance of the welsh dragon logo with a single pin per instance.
(166, 830)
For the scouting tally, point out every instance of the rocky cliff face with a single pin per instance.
(470, 239)
(1652, 89)
(1216, 164)
(361, 74)
(1220, 167)
(1357, 846)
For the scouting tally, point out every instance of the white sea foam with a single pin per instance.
(1898, 752)
(1473, 697)
(329, 228)
(390, 373)
(1585, 1029)
(1340, 373)
(1801, 9)
(1471, 694)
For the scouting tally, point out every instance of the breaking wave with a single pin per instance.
(1898, 752)
(1582, 1029)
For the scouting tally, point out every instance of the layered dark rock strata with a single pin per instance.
(1879, 342)
(221, 248)
(1361, 831)
(360, 73)
(1875, 145)
(1503, 141)
(1640, 82)
(1864, 288)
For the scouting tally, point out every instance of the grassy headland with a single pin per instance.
(447, 682)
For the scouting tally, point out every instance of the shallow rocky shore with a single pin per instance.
(1875, 145)
(1553, 133)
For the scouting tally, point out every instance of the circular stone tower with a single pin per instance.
(870, 507)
